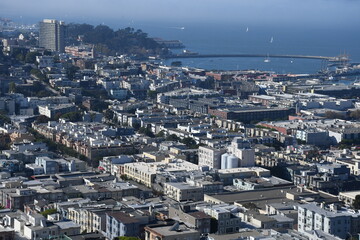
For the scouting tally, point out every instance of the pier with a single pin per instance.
(245, 55)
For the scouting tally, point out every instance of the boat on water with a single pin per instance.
(272, 40)
(187, 52)
(267, 59)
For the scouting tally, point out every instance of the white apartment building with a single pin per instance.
(241, 149)
(333, 221)
(210, 156)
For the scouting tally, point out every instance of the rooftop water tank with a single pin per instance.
(224, 159)
(232, 162)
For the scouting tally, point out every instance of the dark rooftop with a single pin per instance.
(123, 217)
(199, 215)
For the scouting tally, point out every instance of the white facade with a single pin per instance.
(331, 221)
(210, 157)
(45, 61)
(118, 93)
(241, 149)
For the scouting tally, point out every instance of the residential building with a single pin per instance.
(332, 220)
(200, 221)
(51, 111)
(227, 221)
(121, 224)
(52, 35)
(241, 149)
(140, 172)
(175, 232)
(348, 197)
(181, 191)
(227, 175)
(210, 157)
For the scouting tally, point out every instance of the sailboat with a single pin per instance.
(272, 39)
(267, 59)
(247, 29)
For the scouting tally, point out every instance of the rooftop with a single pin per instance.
(123, 217)
(171, 230)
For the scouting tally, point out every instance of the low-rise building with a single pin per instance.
(141, 172)
(332, 220)
(177, 231)
(210, 157)
(198, 220)
(227, 175)
(121, 224)
(227, 221)
(348, 197)
(181, 191)
(51, 111)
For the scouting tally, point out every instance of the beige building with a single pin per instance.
(353, 165)
(145, 173)
(227, 175)
(140, 172)
(156, 156)
(175, 232)
(348, 197)
(180, 191)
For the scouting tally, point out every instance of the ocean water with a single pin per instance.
(324, 39)
(226, 38)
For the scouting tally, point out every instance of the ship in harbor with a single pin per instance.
(348, 70)
(187, 52)
(169, 43)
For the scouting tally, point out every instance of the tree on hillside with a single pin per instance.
(100, 34)
(126, 238)
(189, 142)
(109, 114)
(48, 212)
(355, 114)
(42, 119)
(147, 131)
(12, 87)
(30, 57)
(121, 41)
(172, 137)
(356, 203)
(71, 71)
(38, 74)
(72, 116)
(333, 115)
(152, 94)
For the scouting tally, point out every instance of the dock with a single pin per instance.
(245, 55)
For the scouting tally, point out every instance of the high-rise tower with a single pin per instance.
(52, 35)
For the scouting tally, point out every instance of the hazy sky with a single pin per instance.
(315, 12)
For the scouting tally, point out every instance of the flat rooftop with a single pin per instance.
(167, 230)
(350, 194)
